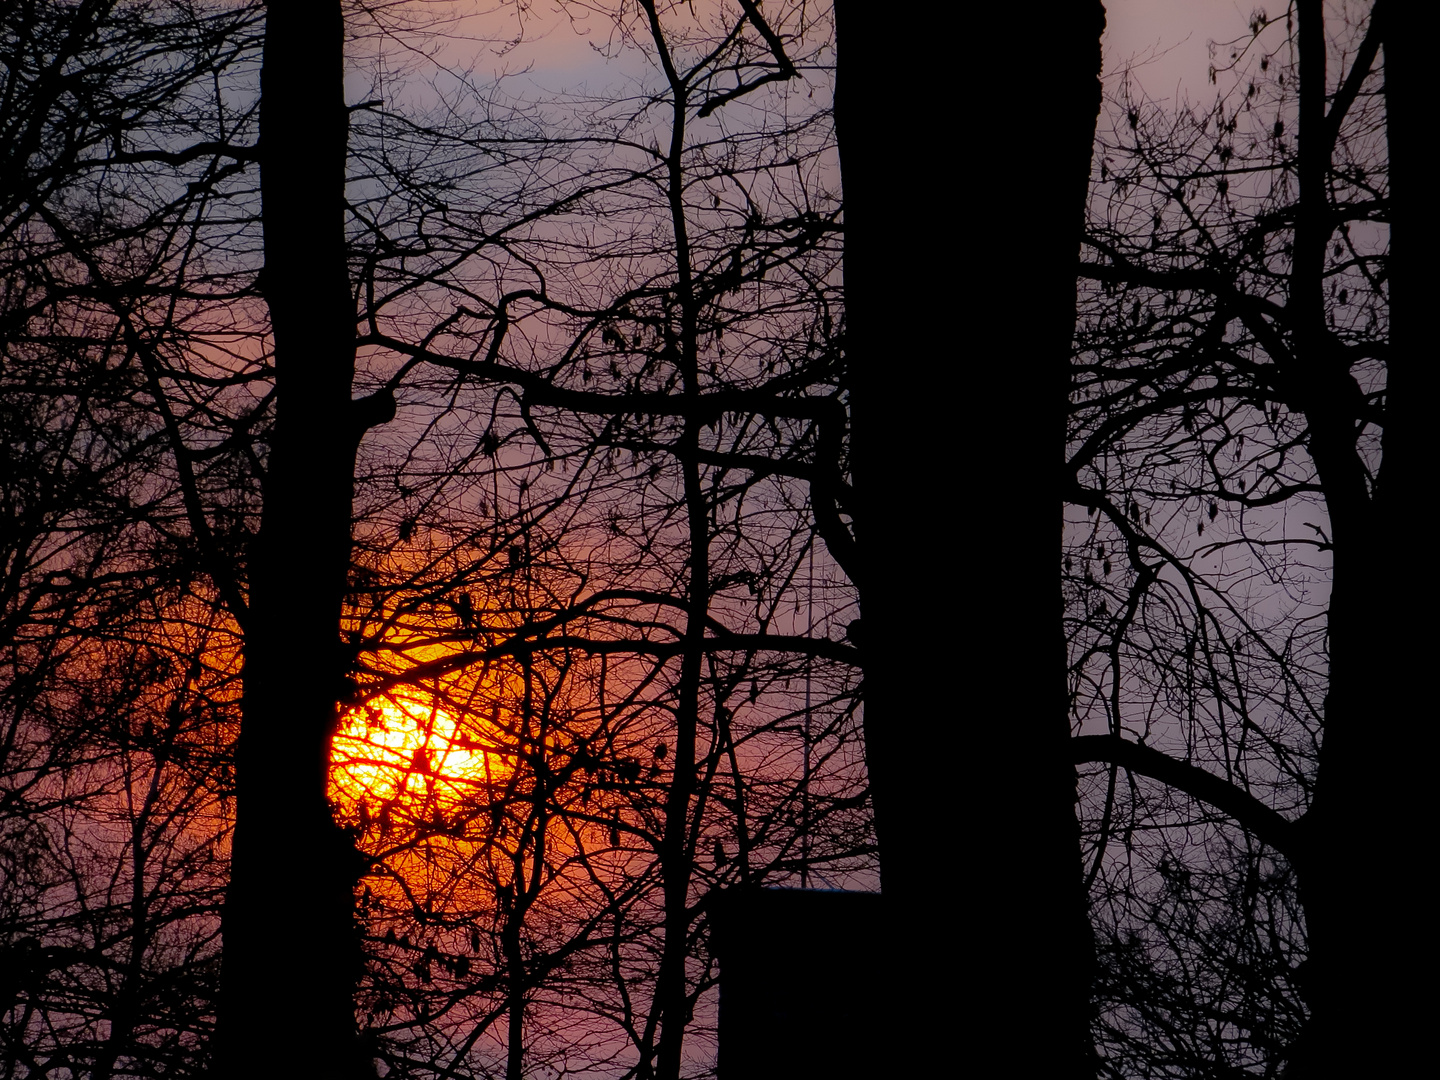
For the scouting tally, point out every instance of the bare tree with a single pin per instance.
(115, 683)
(668, 515)
(1234, 436)
(541, 416)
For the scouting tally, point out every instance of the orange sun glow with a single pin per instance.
(400, 749)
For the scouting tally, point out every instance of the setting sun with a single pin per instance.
(395, 748)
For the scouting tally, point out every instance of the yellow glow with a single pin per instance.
(400, 749)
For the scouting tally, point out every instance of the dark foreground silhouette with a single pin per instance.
(801, 985)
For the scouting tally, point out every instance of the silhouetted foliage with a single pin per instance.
(570, 504)
(463, 497)
(118, 671)
(1236, 630)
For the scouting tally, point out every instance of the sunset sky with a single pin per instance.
(549, 649)
(1166, 43)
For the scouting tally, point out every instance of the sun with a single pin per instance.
(402, 749)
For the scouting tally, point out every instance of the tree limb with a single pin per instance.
(1249, 812)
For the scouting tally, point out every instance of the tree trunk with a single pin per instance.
(960, 305)
(515, 1005)
(1369, 820)
(1410, 727)
(290, 956)
(676, 845)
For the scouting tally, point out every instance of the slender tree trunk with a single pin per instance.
(670, 1012)
(960, 305)
(515, 970)
(676, 847)
(132, 984)
(290, 952)
(1321, 374)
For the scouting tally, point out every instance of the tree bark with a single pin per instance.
(1353, 848)
(670, 1011)
(1411, 727)
(290, 956)
(978, 857)
(1369, 818)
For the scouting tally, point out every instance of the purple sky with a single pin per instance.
(1166, 42)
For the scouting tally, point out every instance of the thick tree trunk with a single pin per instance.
(960, 305)
(290, 958)
(1370, 818)
(1407, 729)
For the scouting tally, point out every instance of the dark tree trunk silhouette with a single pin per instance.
(290, 953)
(1367, 823)
(1352, 848)
(676, 847)
(955, 733)
(1412, 389)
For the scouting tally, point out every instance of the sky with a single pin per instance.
(1166, 42)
